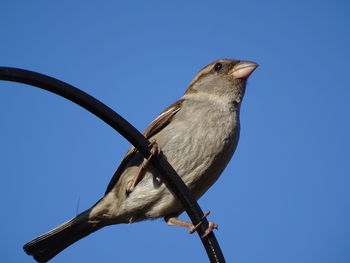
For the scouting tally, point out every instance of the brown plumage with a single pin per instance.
(198, 135)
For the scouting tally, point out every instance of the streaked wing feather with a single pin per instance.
(163, 119)
(157, 125)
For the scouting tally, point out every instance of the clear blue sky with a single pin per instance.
(285, 195)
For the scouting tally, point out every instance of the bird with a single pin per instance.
(198, 135)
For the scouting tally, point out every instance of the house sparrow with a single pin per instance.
(198, 135)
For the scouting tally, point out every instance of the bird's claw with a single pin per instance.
(155, 150)
(210, 228)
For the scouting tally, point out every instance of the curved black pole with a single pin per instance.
(169, 175)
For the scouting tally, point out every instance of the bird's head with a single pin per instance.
(224, 78)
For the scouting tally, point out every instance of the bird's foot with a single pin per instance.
(174, 221)
(210, 228)
(155, 150)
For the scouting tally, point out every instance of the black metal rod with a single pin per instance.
(169, 175)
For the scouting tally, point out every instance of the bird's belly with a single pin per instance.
(198, 159)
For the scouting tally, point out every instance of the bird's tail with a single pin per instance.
(45, 247)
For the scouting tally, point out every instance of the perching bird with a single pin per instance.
(198, 135)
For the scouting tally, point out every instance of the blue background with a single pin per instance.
(284, 197)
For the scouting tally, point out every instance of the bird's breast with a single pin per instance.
(199, 143)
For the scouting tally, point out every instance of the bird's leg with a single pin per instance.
(211, 226)
(174, 221)
(154, 151)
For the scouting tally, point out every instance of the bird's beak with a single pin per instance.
(243, 69)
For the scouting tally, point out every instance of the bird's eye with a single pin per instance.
(218, 66)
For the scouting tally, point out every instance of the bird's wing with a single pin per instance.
(156, 126)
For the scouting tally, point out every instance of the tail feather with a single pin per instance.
(45, 247)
